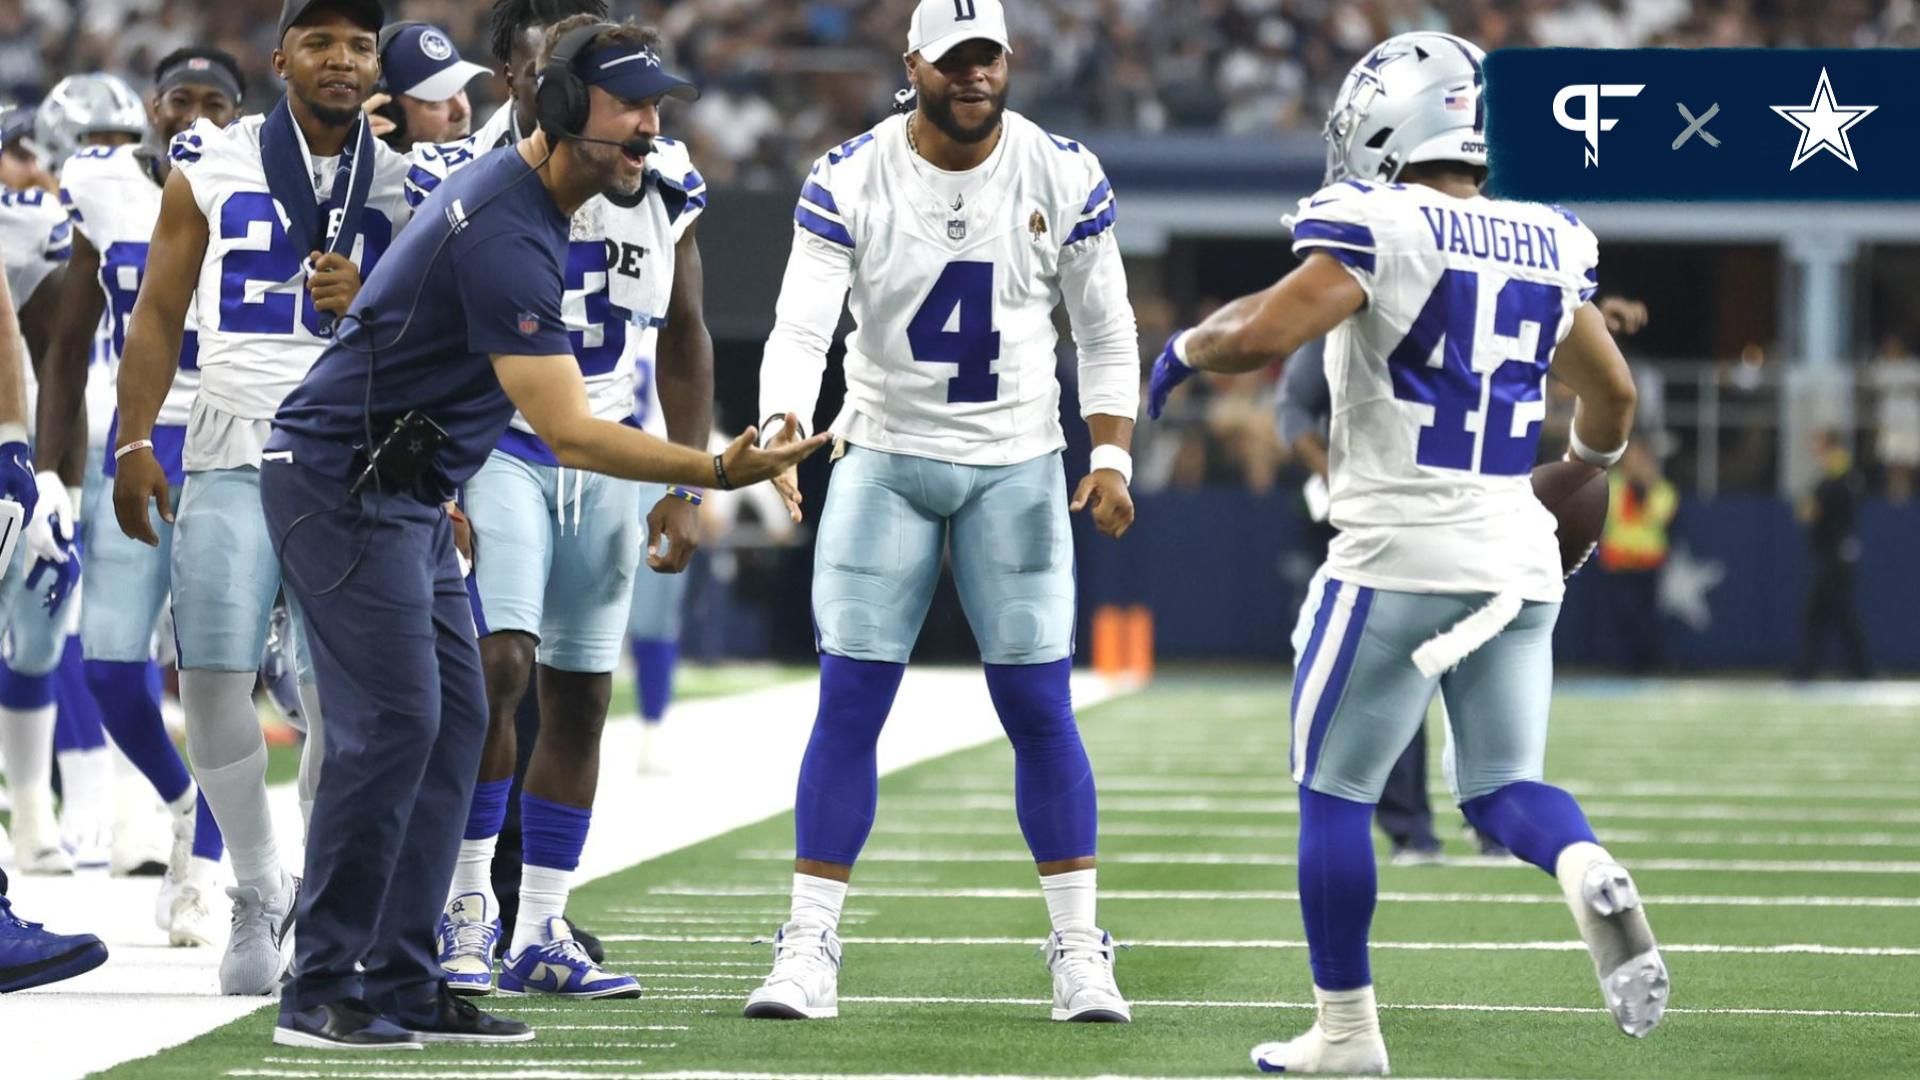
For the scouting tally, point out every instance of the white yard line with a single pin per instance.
(1135, 783)
(1290, 896)
(1254, 943)
(1479, 862)
(1688, 838)
(734, 763)
(944, 806)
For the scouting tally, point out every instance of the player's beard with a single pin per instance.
(609, 164)
(941, 113)
(329, 115)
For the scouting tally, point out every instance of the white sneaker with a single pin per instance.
(1361, 1054)
(1633, 977)
(191, 923)
(89, 842)
(653, 752)
(805, 983)
(260, 947)
(1083, 987)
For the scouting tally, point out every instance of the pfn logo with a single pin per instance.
(1589, 122)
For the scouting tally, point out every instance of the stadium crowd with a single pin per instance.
(782, 78)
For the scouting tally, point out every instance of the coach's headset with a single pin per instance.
(391, 110)
(561, 102)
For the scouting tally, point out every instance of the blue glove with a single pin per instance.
(66, 575)
(16, 477)
(1169, 371)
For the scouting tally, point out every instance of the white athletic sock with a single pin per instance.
(1571, 868)
(817, 901)
(543, 896)
(473, 873)
(1346, 1013)
(237, 793)
(86, 804)
(229, 756)
(186, 804)
(1070, 900)
(27, 735)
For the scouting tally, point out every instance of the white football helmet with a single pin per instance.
(80, 105)
(1415, 97)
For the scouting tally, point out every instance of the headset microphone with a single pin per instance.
(638, 146)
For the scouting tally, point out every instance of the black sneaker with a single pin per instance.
(454, 1019)
(595, 951)
(347, 1024)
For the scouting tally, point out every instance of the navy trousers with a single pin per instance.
(399, 675)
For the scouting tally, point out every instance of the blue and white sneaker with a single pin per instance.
(31, 956)
(467, 937)
(561, 966)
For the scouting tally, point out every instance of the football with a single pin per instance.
(1575, 493)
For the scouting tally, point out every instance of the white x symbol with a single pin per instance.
(1696, 127)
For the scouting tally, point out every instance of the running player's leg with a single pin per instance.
(876, 561)
(1012, 554)
(86, 761)
(1498, 701)
(583, 624)
(1357, 700)
(653, 636)
(510, 504)
(225, 577)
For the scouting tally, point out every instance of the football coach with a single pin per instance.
(458, 326)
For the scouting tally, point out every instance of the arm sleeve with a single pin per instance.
(510, 287)
(819, 271)
(1305, 399)
(1335, 220)
(1093, 285)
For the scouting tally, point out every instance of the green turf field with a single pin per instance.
(1778, 840)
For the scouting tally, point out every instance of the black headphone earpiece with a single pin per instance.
(391, 110)
(560, 103)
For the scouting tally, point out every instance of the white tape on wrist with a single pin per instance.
(13, 433)
(1588, 454)
(1109, 456)
(1180, 347)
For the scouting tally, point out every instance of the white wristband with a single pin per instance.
(1180, 347)
(1109, 456)
(137, 444)
(11, 433)
(1588, 454)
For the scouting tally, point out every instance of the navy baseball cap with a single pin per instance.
(368, 13)
(420, 61)
(632, 72)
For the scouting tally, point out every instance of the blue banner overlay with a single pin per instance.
(1775, 125)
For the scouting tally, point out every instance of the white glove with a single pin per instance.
(46, 538)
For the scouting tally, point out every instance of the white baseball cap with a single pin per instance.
(939, 25)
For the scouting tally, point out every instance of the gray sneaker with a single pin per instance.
(261, 948)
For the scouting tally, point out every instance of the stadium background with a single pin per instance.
(1767, 324)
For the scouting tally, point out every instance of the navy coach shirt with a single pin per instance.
(478, 272)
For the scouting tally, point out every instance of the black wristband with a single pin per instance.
(720, 474)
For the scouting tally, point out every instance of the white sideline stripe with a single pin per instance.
(663, 978)
(1281, 943)
(943, 805)
(427, 1071)
(694, 963)
(1284, 895)
(1221, 858)
(544, 1074)
(510, 1048)
(1433, 1007)
(1690, 838)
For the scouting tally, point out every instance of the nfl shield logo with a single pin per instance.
(529, 323)
(956, 229)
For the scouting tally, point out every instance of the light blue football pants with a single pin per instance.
(889, 518)
(655, 612)
(126, 581)
(1358, 699)
(555, 562)
(225, 574)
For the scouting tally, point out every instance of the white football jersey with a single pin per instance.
(620, 266)
(255, 314)
(953, 280)
(1437, 383)
(113, 199)
(35, 238)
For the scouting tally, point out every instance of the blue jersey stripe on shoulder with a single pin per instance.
(1336, 232)
(819, 197)
(835, 157)
(1357, 186)
(1100, 192)
(73, 211)
(1565, 213)
(1093, 226)
(822, 227)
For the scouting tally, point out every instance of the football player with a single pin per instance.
(1444, 311)
(556, 549)
(959, 228)
(111, 187)
(265, 229)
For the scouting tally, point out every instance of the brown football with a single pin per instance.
(1575, 493)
